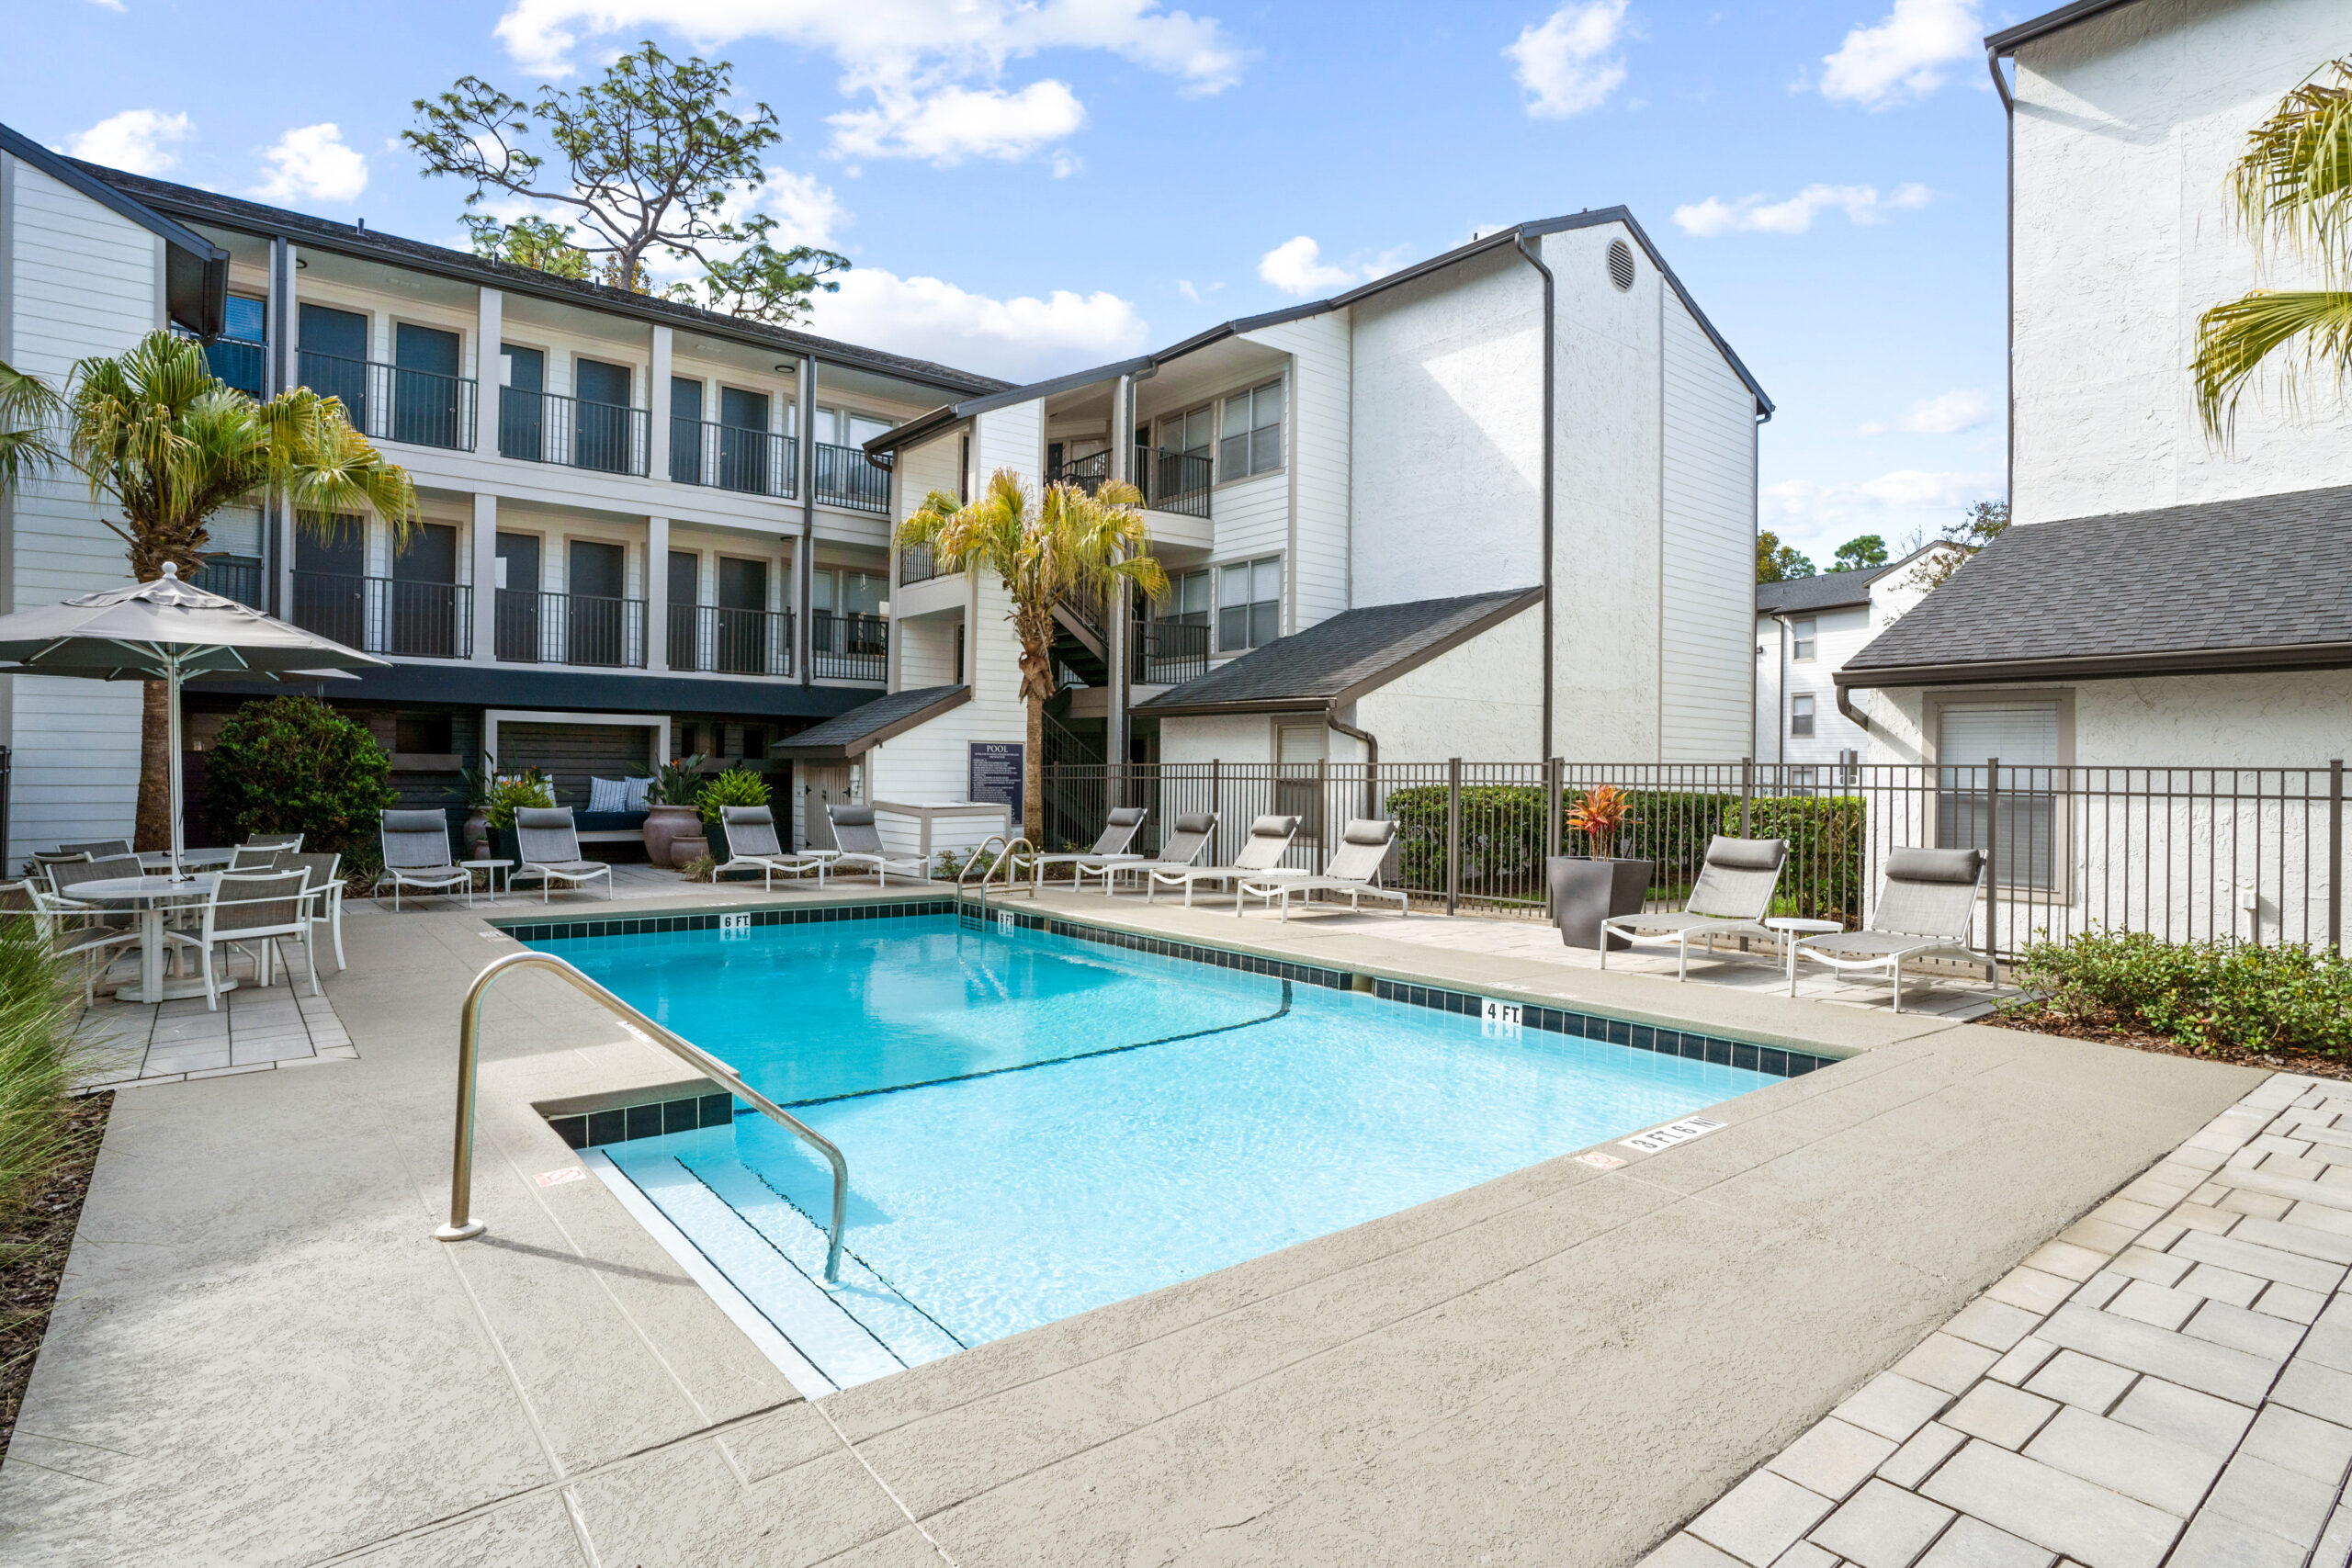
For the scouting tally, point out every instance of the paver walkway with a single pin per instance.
(254, 1029)
(2168, 1382)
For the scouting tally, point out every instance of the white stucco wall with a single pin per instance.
(2294, 719)
(2125, 128)
(1473, 701)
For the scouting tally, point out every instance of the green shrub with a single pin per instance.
(35, 1063)
(2203, 994)
(733, 787)
(295, 765)
(676, 782)
(508, 795)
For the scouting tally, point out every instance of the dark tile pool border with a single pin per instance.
(681, 1115)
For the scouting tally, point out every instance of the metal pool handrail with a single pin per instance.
(462, 1227)
(1003, 859)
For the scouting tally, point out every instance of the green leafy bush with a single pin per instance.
(2204, 994)
(676, 782)
(295, 765)
(733, 787)
(35, 1063)
(508, 795)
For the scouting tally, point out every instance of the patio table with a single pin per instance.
(161, 860)
(151, 895)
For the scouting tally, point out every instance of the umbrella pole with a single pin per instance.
(172, 733)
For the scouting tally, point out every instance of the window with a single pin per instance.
(1803, 634)
(2023, 734)
(1251, 440)
(1801, 714)
(1188, 600)
(1249, 603)
(426, 733)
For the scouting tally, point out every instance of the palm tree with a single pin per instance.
(2293, 185)
(27, 417)
(1069, 544)
(168, 444)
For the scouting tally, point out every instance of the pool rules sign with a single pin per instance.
(996, 775)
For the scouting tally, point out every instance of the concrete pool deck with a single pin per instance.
(260, 1355)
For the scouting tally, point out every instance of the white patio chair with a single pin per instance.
(250, 910)
(1928, 904)
(292, 841)
(323, 895)
(71, 931)
(256, 857)
(548, 848)
(1364, 847)
(102, 848)
(1269, 839)
(1732, 897)
(417, 854)
(1187, 836)
(860, 843)
(752, 845)
(1119, 830)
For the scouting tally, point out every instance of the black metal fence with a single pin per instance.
(383, 614)
(391, 402)
(730, 642)
(727, 457)
(543, 427)
(1166, 652)
(845, 479)
(2186, 853)
(570, 629)
(1171, 481)
(849, 648)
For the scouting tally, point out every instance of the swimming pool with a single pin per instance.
(1036, 1124)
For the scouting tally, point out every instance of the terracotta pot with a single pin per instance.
(1585, 892)
(686, 849)
(665, 825)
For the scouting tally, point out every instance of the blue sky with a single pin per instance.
(1030, 188)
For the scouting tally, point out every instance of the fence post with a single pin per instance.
(1216, 830)
(1746, 792)
(1992, 862)
(1552, 806)
(1452, 835)
(1322, 805)
(2337, 856)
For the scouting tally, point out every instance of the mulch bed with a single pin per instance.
(2277, 1061)
(33, 1244)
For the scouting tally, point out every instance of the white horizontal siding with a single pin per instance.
(1317, 391)
(1708, 505)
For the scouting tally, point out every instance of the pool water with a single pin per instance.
(1036, 1124)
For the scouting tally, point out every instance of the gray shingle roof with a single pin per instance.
(1334, 660)
(2260, 582)
(862, 729)
(1830, 591)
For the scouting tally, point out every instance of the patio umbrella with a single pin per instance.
(171, 631)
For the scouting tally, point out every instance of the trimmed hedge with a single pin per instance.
(2201, 994)
(295, 765)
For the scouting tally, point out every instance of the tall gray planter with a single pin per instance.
(1585, 892)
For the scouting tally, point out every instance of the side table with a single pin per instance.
(489, 870)
(1791, 927)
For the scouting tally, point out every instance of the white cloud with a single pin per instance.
(933, 68)
(1950, 414)
(1904, 56)
(311, 163)
(1294, 267)
(806, 210)
(138, 139)
(955, 123)
(1816, 514)
(1560, 64)
(1020, 338)
(114, 6)
(1754, 215)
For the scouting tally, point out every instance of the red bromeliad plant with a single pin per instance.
(1598, 815)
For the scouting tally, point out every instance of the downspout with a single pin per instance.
(1781, 695)
(1371, 756)
(1551, 355)
(2009, 179)
(1845, 705)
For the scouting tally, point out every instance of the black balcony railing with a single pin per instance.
(730, 642)
(233, 577)
(540, 427)
(388, 403)
(1171, 481)
(845, 479)
(849, 648)
(1165, 652)
(242, 363)
(570, 629)
(916, 564)
(727, 457)
(382, 614)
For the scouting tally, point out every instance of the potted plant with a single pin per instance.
(1590, 888)
(733, 787)
(670, 807)
(474, 785)
(526, 788)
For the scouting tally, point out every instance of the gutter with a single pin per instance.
(1551, 357)
(2275, 659)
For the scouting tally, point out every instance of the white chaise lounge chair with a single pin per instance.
(1732, 897)
(859, 843)
(416, 856)
(1118, 831)
(1188, 836)
(1270, 838)
(547, 847)
(752, 845)
(1928, 904)
(1362, 849)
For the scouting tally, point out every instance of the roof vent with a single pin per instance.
(1621, 265)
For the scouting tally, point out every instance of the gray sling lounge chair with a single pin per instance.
(859, 843)
(1270, 838)
(547, 847)
(1928, 904)
(1119, 830)
(1362, 849)
(1732, 897)
(752, 845)
(416, 856)
(1188, 836)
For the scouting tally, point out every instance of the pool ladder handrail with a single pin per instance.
(1003, 859)
(463, 1226)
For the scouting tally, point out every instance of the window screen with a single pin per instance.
(1801, 715)
(1250, 603)
(2022, 735)
(2021, 828)
(1801, 636)
(1251, 440)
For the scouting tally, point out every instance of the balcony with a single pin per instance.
(712, 639)
(386, 403)
(845, 479)
(540, 427)
(231, 577)
(849, 648)
(383, 614)
(242, 365)
(570, 629)
(916, 564)
(1171, 481)
(1164, 653)
(725, 457)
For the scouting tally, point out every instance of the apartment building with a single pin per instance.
(1806, 628)
(1373, 538)
(645, 529)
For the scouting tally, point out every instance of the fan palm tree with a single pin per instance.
(2292, 184)
(1068, 543)
(167, 444)
(27, 418)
